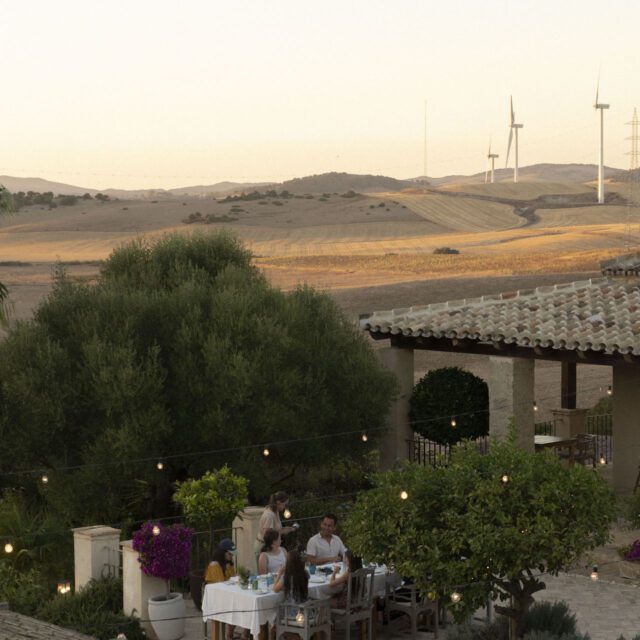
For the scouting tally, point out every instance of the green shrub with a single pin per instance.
(67, 201)
(498, 630)
(552, 617)
(445, 251)
(448, 394)
(547, 635)
(95, 610)
(24, 591)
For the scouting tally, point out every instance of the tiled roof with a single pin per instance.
(14, 626)
(602, 315)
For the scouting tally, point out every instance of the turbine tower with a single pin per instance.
(601, 107)
(491, 161)
(513, 127)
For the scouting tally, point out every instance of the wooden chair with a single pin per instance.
(359, 602)
(304, 620)
(407, 599)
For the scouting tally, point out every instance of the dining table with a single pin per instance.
(255, 609)
(557, 443)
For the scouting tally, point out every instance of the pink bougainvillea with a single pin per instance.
(164, 554)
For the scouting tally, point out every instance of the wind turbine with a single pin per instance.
(491, 157)
(513, 127)
(602, 107)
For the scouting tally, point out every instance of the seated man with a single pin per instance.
(325, 546)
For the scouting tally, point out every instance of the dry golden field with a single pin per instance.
(519, 191)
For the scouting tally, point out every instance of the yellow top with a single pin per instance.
(214, 572)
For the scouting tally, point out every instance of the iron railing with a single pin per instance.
(429, 453)
(546, 428)
(601, 427)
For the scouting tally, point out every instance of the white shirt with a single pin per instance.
(274, 562)
(320, 547)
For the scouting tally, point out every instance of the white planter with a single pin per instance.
(167, 616)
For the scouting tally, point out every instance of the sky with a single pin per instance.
(151, 94)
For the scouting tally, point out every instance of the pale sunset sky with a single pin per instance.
(149, 94)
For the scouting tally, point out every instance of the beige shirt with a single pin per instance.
(268, 520)
(319, 547)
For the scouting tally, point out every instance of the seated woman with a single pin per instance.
(339, 583)
(220, 569)
(273, 556)
(293, 579)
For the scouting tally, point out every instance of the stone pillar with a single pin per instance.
(626, 426)
(511, 386)
(245, 526)
(394, 445)
(95, 553)
(569, 422)
(138, 587)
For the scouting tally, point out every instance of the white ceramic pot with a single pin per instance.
(167, 616)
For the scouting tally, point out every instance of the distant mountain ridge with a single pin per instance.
(332, 182)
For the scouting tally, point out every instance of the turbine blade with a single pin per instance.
(597, 89)
(506, 164)
(513, 115)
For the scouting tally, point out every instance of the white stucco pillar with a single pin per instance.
(511, 389)
(138, 587)
(394, 444)
(95, 553)
(626, 426)
(245, 527)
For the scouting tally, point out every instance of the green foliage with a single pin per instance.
(603, 407)
(25, 591)
(474, 631)
(445, 251)
(181, 347)
(552, 617)
(488, 522)
(67, 201)
(454, 393)
(547, 635)
(212, 500)
(6, 201)
(95, 610)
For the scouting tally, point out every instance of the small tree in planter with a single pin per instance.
(210, 502)
(164, 553)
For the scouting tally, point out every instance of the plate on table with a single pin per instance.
(316, 579)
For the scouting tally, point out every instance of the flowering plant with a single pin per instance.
(633, 553)
(164, 551)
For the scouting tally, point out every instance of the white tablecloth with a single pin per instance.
(381, 578)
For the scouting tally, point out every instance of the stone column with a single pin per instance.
(511, 386)
(394, 445)
(245, 527)
(569, 422)
(95, 553)
(626, 426)
(138, 587)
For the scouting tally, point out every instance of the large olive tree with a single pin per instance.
(181, 353)
(485, 525)
(6, 206)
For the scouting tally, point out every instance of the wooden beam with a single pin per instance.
(568, 385)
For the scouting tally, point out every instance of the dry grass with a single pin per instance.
(520, 191)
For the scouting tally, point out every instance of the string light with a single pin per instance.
(594, 573)
(505, 478)
(8, 548)
(160, 465)
(265, 452)
(609, 390)
(404, 495)
(45, 479)
(455, 597)
(453, 422)
(365, 437)
(602, 460)
(535, 405)
(155, 530)
(63, 586)
(287, 514)
(300, 616)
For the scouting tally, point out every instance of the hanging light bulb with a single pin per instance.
(594, 573)
(45, 479)
(287, 514)
(265, 452)
(505, 478)
(602, 460)
(455, 597)
(300, 617)
(453, 422)
(155, 530)
(365, 437)
(404, 495)
(535, 405)
(63, 586)
(160, 465)
(8, 548)
(609, 390)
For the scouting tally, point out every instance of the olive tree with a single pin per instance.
(6, 206)
(484, 526)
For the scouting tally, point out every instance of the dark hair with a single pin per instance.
(270, 536)
(278, 496)
(220, 556)
(296, 578)
(331, 516)
(355, 563)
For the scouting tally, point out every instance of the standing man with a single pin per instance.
(325, 546)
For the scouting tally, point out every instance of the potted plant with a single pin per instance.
(243, 577)
(208, 503)
(164, 553)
